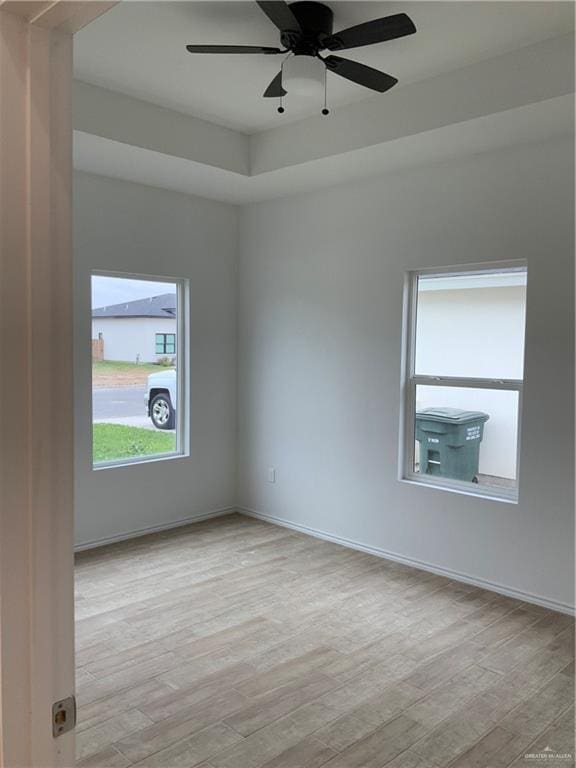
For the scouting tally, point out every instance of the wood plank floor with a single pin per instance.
(237, 644)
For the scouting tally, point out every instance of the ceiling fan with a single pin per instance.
(306, 29)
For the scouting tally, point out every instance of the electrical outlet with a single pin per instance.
(271, 475)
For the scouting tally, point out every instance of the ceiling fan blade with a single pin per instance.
(231, 49)
(360, 73)
(275, 89)
(376, 31)
(280, 14)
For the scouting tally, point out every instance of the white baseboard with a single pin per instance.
(518, 594)
(153, 529)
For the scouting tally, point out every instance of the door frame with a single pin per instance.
(36, 420)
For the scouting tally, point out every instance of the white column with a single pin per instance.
(36, 434)
(36, 450)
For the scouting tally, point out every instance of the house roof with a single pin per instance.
(154, 306)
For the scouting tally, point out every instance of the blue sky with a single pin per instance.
(115, 290)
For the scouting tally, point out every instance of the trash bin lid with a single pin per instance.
(451, 415)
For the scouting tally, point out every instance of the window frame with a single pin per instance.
(182, 354)
(410, 380)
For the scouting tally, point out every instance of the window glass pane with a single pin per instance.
(471, 325)
(467, 434)
(134, 381)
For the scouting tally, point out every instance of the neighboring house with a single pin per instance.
(137, 331)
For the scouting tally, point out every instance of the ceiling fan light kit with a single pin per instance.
(306, 29)
(303, 75)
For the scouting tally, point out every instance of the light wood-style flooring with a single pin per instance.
(233, 643)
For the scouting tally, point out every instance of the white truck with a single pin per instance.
(160, 399)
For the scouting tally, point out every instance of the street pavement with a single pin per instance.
(120, 405)
(116, 402)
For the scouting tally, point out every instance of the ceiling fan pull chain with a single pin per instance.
(326, 111)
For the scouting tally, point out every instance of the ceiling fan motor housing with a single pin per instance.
(316, 21)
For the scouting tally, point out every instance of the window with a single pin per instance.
(138, 368)
(165, 343)
(464, 361)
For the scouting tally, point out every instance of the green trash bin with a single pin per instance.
(450, 442)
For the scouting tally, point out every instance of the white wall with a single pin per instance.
(129, 339)
(320, 281)
(122, 226)
(477, 332)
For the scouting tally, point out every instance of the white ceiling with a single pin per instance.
(138, 48)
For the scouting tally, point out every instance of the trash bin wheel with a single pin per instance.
(475, 479)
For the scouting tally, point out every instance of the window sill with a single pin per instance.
(507, 496)
(121, 463)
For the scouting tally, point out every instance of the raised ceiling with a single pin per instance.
(138, 49)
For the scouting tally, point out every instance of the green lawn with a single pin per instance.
(114, 366)
(116, 441)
